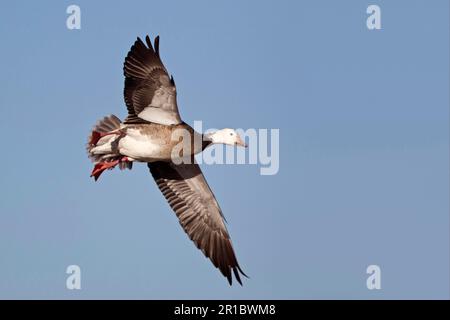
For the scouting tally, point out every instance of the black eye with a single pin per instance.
(231, 133)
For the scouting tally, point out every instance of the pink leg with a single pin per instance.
(102, 166)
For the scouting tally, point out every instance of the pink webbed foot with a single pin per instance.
(102, 166)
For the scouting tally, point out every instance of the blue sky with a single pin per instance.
(364, 149)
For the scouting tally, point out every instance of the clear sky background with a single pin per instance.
(364, 149)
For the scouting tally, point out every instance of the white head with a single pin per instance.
(226, 136)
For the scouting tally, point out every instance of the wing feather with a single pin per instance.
(149, 92)
(190, 197)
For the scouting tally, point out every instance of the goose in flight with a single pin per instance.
(147, 135)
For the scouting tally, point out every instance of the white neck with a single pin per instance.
(219, 136)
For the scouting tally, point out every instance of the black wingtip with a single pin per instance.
(148, 42)
(236, 274)
(157, 45)
(230, 280)
(242, 272)
(138, 41)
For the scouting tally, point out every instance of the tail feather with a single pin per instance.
(104, 149)
(107, 124)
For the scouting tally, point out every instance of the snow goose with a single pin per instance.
(146, 135)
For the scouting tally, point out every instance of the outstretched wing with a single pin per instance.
(189, 195)
(150, 94)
